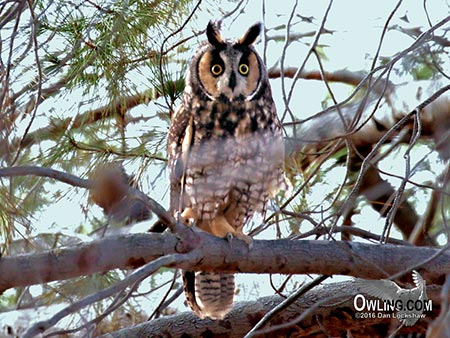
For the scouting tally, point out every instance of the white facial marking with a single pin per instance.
(231, 64)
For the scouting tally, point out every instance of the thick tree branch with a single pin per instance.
(275, 256)
(333, 314)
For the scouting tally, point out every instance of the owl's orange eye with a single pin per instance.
(243, 69)
(216, 69)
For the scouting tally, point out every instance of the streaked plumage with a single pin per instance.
(226, 153)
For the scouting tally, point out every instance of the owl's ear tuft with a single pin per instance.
(251, 35)
(213, 34)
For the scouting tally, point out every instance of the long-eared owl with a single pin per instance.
(226, 153)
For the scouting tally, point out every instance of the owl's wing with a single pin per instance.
(383, 289)
(420, 284)
(418, 280)
(179, 140)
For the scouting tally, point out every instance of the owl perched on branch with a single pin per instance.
(226, 153)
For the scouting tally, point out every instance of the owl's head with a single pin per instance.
(225, 69)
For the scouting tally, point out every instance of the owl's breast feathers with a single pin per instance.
(222, 118)
(216, 146)
(225, 160)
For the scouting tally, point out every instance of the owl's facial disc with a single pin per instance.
(230, 72)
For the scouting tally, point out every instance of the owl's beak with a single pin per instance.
(232, 82)
(227, 85)
(231, 86)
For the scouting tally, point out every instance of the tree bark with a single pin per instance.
(266, 256)
(333, 315)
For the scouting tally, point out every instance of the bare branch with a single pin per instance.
(343, 76)
(39, 79)
(163, 85)
(283, 305)
(414, 32)
(299, 36)
(45, 172)
(320, 257)
(331, 303)
(349, 230)
(136, 277)
(119, 106)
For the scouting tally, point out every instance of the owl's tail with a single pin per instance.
(209, 294)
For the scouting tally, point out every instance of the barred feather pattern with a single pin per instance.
(209, 294)
(226, 154)
(214, 293)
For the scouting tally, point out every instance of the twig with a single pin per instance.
(154, 206)
(279, 290)
(312, 47)
(161, 72)
(170, 300)
(40, 79)
(283, 57)
(423, 226)
(12, 38)
(367, 160)
(46, 172)
(442, 202)
(399, 193)
(115, 304)
(164, 298)
(318, 231)
(264, 32)
(383, 33)
(383, 68)
(283, 305)
(135, 277)
(347, 128)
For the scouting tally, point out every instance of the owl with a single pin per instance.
(226, 153)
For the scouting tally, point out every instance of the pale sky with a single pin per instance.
(357, 25)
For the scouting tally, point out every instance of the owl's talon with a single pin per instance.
(247, 239)
(250, 245)
(188, 222)
(187, 217)
(178, 217)
(229, 237)
(240, 235)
